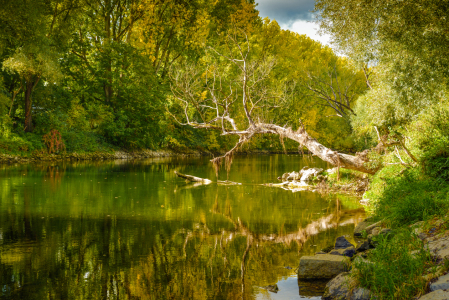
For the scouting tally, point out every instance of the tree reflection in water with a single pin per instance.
(88, 243)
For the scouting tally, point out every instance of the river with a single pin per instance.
(133, 230)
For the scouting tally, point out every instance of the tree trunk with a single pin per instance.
(28, 120)
(353, 162)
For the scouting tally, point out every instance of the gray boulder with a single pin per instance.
(371, 227)
(376, 231)
(339, 288)
(441, 284)
(322, 266)
(342, 243)
(343, 287)
(360, 294)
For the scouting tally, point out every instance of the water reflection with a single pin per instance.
(131, 230)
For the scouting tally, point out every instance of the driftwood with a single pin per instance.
(204, 180)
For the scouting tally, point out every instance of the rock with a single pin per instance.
(308, 174)
(363, 246)
(360, 294)
(342, 243)
(438, 246)
(370, 228)
(337, 252)
(436, 295)
(339, 288)
(417, 227)
(432, 273)
(323, 266)
(441, 284)
(362, 226)
(349, 252)
(342, 288)
(423, 235)
(376, 231)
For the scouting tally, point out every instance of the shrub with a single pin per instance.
(54, 142)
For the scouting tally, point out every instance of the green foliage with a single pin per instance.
(82, 142)
(391, 271)
(404, 196)
(429, 136)
(23, 144)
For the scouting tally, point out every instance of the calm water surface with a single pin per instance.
(133, 230)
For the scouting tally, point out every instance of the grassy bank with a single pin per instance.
(401, 267)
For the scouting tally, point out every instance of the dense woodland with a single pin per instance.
(99, 75)
(94, 75)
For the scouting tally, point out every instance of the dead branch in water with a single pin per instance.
(204, 180)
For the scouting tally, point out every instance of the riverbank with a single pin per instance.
(119, 154)
(411, 207)
(410, 263)
(42, 156)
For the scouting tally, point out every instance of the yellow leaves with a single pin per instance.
(203, 95)
(209, 72)
(244, 16)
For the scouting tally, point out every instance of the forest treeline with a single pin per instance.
(97, 75)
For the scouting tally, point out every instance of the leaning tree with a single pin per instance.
(233, 93)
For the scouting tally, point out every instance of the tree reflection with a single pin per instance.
(220, 250)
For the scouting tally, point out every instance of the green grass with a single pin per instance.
(405, 196)
(391, 271)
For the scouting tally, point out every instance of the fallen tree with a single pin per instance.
(244, 94)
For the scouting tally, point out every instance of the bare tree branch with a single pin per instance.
(215, 99)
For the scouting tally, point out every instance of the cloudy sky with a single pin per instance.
(294, 15)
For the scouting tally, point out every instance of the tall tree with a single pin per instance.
(30, 39)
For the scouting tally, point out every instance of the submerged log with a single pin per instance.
(204, 180)
(193, 178)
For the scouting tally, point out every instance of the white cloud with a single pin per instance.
(308, 28)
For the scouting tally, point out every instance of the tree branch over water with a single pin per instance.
(232, 94)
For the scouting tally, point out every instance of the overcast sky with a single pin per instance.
(294, 15)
